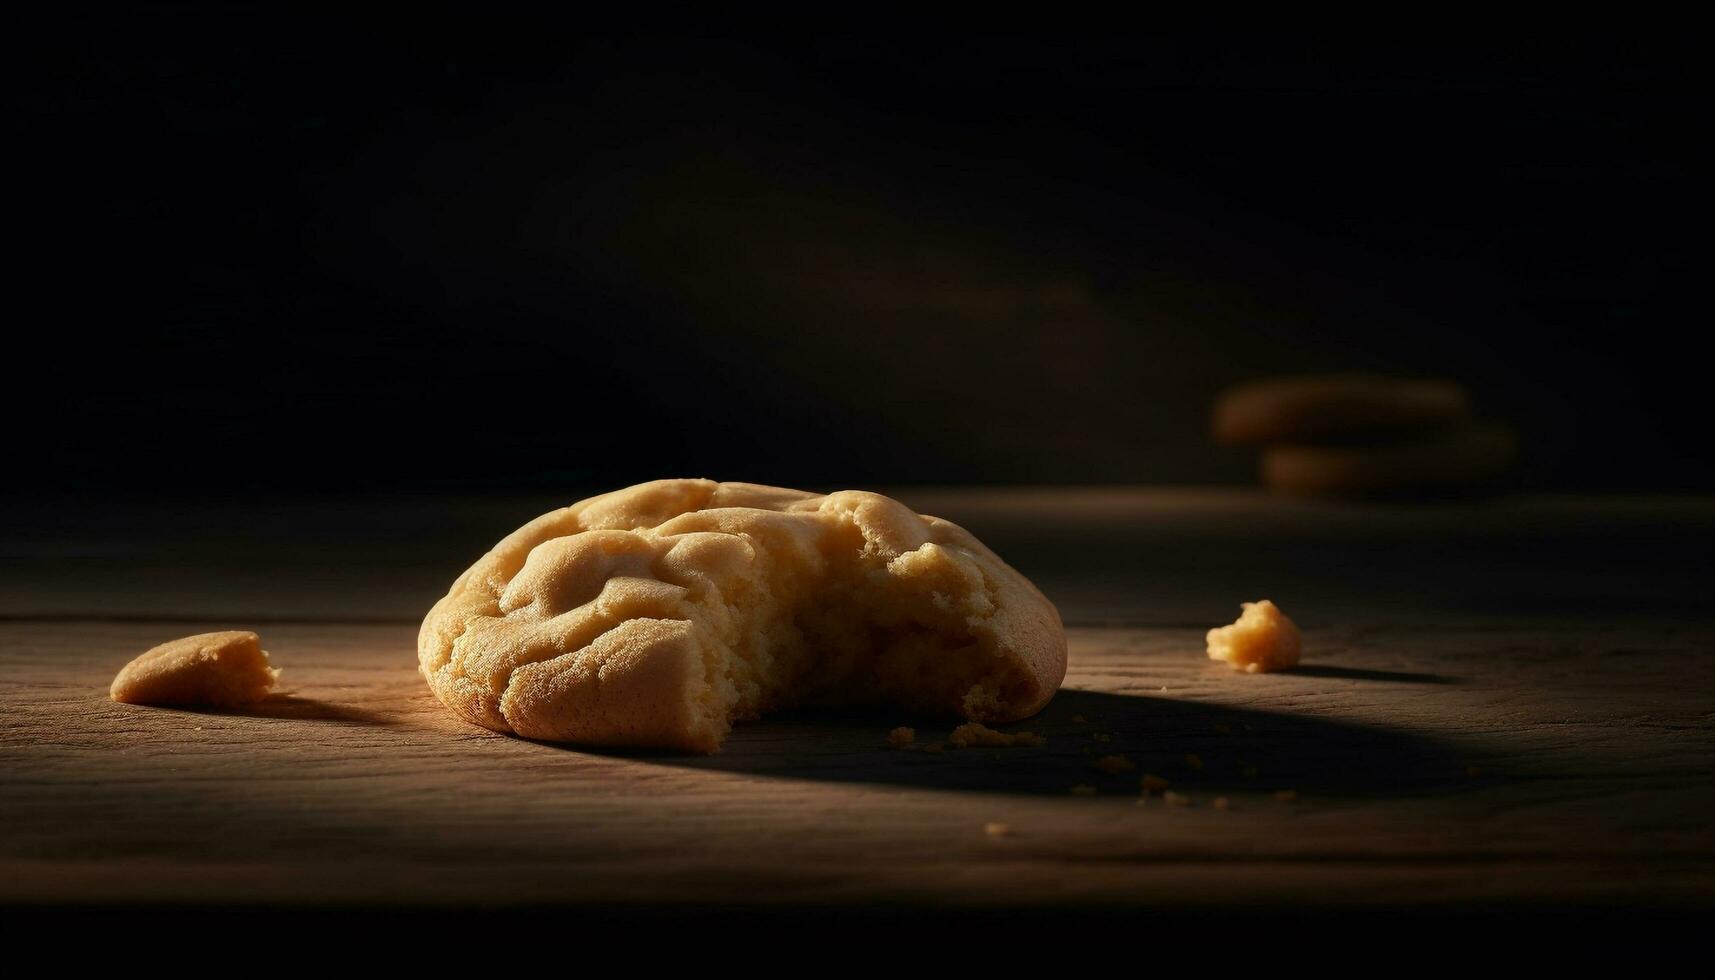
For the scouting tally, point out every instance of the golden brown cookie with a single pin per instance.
(659, 614)
(1335, 407)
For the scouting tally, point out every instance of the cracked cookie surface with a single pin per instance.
(659, 614)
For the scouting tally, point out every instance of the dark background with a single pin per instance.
(265, 253)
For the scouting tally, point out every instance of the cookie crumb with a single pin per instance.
(209, 670)
(1260, 640)
(977, 734)
(1083, 789)
(996, 830)
(1286, 795)
(901, 737)
(1176, 799)
(1153, 783)
(1115, 764)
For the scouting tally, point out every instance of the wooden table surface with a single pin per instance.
(1438, 755)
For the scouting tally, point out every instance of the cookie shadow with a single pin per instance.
(1198, 748)
(1359, 674)
(295, 708)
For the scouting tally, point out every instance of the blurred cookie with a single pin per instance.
(1451, 459)
(1335, 407)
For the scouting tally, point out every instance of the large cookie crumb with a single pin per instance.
(1262, 639)
(213, 670)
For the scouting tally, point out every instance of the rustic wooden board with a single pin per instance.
(1435, 766)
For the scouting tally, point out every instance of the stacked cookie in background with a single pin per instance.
(1359, 435)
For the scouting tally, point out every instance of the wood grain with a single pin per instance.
(1435, 765)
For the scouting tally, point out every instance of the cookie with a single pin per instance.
(1444, 461)
(658, 615)
(1335, 407)
(212, 670)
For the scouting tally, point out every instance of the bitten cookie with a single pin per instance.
(659, 614)
(218, 670)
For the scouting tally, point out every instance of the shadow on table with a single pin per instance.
(291, 706)
(1202, 750)
(1361, 674)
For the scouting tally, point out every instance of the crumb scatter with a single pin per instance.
(975, 734)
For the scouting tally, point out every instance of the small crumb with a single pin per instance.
(901, 737)
(1176, 799)
(1115, 764)
(996, 830)
(1220, 803)
(1193, 761)
(1286, 795)
(1164, 687)
(980, 735)
(1153, 783)
(1261, 640)
(1083, 789)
